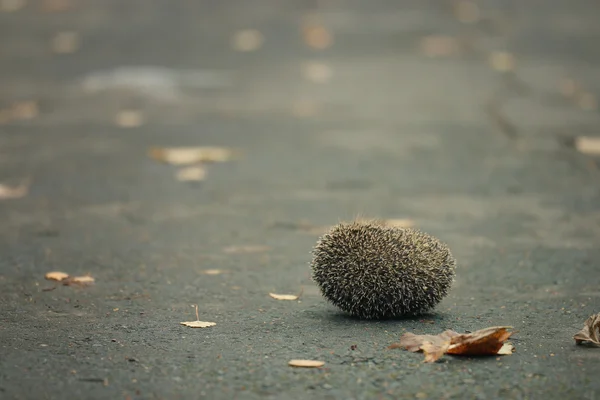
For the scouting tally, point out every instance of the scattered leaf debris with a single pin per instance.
(56, 276)
(306, 363)
(191, 155)
(247, 40)
(590, 334)
(246, 249)
(197, 323)
(588, 145)
(65, 42)
(488, 341)
(129, 118)
(13, 192)
(191, 174)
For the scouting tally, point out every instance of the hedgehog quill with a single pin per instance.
(373, 271)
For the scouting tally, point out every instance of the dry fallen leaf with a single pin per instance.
(56, 276)
(306, 363)
(212, 272)
(502, 61)
(24, 110)
(129, 118)
(197, 323)
(191, 174)
(191, 155)
(283, 296)
(247, 40)
(438, 46)
(286, 296)
(590, 334)
(588, 145)
(246, 249)
(488, 341)
(13, 192)
(65, 42)
(317, 36)
(78, 280)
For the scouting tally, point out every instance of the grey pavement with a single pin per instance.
(475, 145)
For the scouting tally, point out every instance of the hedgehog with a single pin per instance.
(373, 271)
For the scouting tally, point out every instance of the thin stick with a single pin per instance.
(197, 317)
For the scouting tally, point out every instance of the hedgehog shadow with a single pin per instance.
(424, 318)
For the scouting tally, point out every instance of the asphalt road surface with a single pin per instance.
(460, 118)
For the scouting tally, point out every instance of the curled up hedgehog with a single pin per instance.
(374, 271)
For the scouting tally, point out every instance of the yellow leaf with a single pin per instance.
(56, 276)
(191, 155)
(306, 363)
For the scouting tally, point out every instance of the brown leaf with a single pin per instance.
(317, 36)
(590, 334)
(489, 341)
(306, 363)
(56, 276)
(24, 110)
(246, 249)
(13, 192)
(191, 155)
(486, 341)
